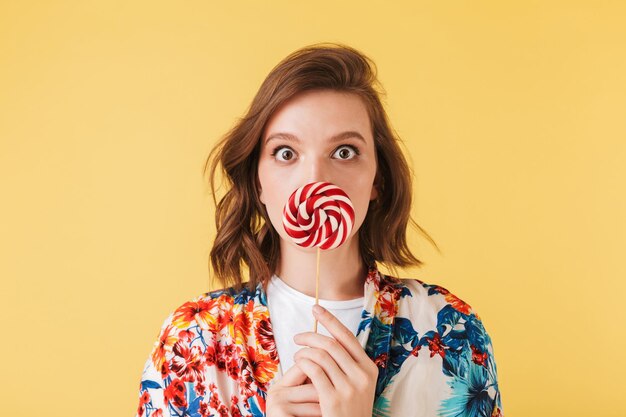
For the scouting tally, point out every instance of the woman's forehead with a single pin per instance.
(334, 115)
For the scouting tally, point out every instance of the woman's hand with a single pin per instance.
(341, 372)
(289, 398)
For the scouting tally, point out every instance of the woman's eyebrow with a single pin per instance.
(334, 138)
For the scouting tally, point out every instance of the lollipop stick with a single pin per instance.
(317, 285)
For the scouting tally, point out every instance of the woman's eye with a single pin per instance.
(346, 152)
(283, 153)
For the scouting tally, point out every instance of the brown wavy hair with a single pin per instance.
(245, 235)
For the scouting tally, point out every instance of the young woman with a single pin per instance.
(385, 346)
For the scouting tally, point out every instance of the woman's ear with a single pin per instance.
(374, 193)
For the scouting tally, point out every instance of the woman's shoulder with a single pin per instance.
(429, 306)
(434, 311)
(207, 311)
(204, 322)
(203, 315)
(428, 295)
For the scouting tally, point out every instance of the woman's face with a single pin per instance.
(320, 135)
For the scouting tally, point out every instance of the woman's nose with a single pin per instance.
(318, 170)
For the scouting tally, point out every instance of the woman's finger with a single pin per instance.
(293, 377)
(342, 334)
(321, 382)
(305, 410)
(322, 358)
(302, 394)
(334, 348)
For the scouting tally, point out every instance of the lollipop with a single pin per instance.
(321, 215)
(318, 214)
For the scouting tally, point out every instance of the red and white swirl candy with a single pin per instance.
(319, 214)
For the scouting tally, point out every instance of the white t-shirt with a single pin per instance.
(290, 314)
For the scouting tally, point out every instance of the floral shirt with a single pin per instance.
(216, 355)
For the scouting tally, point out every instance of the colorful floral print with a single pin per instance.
(216, 355)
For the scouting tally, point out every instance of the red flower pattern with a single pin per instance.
(176, 393)
(238, 341)
(478, 357)
(436, 346)
(188, 363)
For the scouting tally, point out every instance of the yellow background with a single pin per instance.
(513, 118)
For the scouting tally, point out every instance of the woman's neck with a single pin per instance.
(342, 273)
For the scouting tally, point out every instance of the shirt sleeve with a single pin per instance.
(153, 386)
(470, 363)
(482, 355)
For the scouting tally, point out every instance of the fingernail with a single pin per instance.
(318, 309)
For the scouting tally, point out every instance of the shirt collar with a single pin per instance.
(380, 302)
